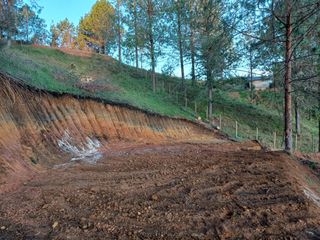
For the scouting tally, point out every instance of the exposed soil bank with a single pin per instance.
(39, 129)
(153, 177)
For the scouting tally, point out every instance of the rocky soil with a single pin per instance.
(172, 191)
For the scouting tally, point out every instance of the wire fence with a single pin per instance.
(273, 139)
(270, 138)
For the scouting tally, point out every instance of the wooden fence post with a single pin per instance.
(186, 103)
(195, 108)
(236, 129)
(312, 139)
(257, 134)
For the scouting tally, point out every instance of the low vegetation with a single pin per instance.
(94, 76)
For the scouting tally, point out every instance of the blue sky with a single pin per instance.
(56, 10)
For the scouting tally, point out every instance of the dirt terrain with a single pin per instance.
(172, 191)
(78, 168)
(39, 129)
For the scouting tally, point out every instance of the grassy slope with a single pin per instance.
(54, 70)
(265, 114)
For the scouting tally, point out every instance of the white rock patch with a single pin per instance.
(311, 195)
(88, 151)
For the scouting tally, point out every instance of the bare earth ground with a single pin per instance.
(177, 191)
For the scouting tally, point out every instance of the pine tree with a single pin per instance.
(31, 28)
(154, 34)
(97, 29)
(134, 39)
(119, 29)
(215, 43)
(8, 21)
(283, 27)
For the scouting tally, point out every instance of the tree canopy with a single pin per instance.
(96, 29)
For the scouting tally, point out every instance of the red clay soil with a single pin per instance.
(32, 123)
(172, 191)
(150, 177)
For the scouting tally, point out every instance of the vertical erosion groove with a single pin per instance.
(32, 122)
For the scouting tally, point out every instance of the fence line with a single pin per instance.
(270, 139)
(306, 142)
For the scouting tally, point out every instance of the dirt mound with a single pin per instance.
(40, 129)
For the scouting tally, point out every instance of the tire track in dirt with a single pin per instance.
(178, 191)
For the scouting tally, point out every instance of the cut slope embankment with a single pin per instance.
(39, 129)
(150, 181)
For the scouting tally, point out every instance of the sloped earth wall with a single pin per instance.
(155, 177)
(40, 129)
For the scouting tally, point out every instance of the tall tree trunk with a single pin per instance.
(119, 30)
(103, 49)
(10, 22)
(192, 48)
(135, 16)
(210, 91)
(141, 58)
(210, 102)
(297, 116)
(318, 134)
(193, 60)
(251, 73)
(180, 43)
(9, 42)
(27, 25)
(318, 115)
(288, 78)
(153, 64)
(151, 41)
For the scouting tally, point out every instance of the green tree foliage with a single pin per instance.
(134, 40)
(286, 30)
(8, 24)
(63, 34)
(97, 29)
(119, 28)
(214, 41)
(154, 29)
(54, 31)
(21, 22)
(31, 28)
(177, 19)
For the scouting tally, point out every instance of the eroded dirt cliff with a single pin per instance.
(94, 170)
(40, 129)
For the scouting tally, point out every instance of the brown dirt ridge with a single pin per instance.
(39, 129)
(81, 169)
